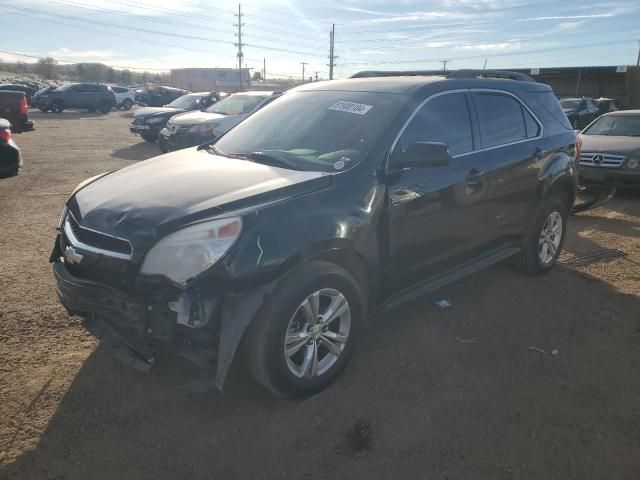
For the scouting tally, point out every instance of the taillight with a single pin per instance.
(5, 134)
(578, 147)
(24, 108)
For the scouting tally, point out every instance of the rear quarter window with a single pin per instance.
(548, 109)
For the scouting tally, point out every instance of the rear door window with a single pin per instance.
(444, 119)
(500, 119)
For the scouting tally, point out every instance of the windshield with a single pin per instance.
(186, 102)
(317, 130)
(616, 125)
(572, 103)
(237, 104)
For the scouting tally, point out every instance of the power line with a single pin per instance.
(76, 62)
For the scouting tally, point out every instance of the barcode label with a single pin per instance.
(357, 108)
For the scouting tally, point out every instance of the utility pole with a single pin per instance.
(444, 64)
(638, 61)
(239, 45)
(317, 76)
(304, 64)
(332, 57)
(264, 68)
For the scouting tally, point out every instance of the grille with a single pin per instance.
(604, 160)
(98, 240)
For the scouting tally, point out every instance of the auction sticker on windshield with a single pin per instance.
(351, 107)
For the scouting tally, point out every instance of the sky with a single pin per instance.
(369, 34)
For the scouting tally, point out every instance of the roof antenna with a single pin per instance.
(484, 67)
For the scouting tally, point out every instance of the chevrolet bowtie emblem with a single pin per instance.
(71, 256)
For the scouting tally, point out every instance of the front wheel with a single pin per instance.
(57, 107)
(544, 242)
(305, 332)
(127, 104)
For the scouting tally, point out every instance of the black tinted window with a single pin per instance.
(443, 119)
(533, 129)
(93, 88)
(548, 109)
(500, 118)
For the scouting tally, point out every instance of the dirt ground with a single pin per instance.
(431, 393)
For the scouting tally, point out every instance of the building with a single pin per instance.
(211, 79)
(621, 83)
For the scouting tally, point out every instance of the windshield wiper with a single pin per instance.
(271, 159)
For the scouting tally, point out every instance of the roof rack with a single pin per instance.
(409, 73)
(523, 77)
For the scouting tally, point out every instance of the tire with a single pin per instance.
(127, 104)
(43, 109)
(296, 375)
(538, 255)
(105, 107)
(57, 106)
(147, 137)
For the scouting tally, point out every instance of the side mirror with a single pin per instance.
(423, 154)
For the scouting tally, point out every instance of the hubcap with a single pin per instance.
(550, 238)
(317, 333)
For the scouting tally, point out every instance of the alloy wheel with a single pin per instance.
(317, 333)
(550, 238)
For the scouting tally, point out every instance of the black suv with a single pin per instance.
(280, 237)
(89, 96)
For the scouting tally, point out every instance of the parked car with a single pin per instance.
(10, 158)
(194, 128)
(89, 96)
(280, 237)
(158, 96)
(40, 99)
(611, 151)
(14, 108)
(580, 111)
(28, 91)
(148, 121)
(606, 105)
(125, 96)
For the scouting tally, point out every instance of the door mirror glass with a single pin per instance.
(423, 154)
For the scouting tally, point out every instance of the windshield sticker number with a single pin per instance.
(357, 108)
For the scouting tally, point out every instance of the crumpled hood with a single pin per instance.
(159, 195)
(149, 111)
(606, 144)
(198, 117)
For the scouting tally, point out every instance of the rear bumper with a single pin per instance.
(603, 177)
(10, 158)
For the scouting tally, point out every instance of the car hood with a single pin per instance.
(610, 144)
(144, 201)
(149, 111)
(191, 118)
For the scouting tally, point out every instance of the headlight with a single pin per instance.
(155, 120)
(633, 163)
(203, 128)
(188, 252)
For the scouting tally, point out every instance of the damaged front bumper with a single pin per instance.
(204, 329)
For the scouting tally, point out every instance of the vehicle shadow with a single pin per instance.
(430, 393)
(64, 115)
(138, 151)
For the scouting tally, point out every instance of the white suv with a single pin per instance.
(124, 96)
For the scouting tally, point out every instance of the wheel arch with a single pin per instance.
(558, 177)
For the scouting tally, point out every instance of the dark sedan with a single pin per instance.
(148, 121)
(611, 151)
(580, 111)
(10, 158)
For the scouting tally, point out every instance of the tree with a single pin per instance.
(125, 77)
(46, 67)
(111, 75)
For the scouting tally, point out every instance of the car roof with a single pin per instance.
(259, 93)
(419, 84)
(201, 94)
(623, 113)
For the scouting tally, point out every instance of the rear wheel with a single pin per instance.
(305, 332)
(104, 107)
(544, 242)
(127, 104)
(57, 106)
(43, 109)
